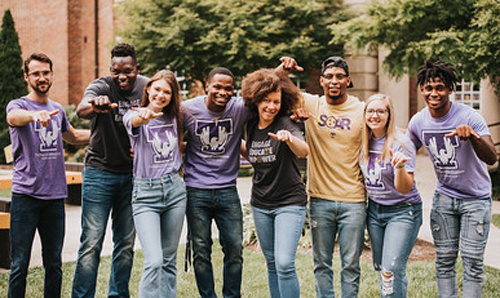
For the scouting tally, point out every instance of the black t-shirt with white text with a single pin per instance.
(276, 179)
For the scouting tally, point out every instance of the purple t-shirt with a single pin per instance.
(213, 149)
(38, 152)
(156, 146)
(379, 177)
(460, 173)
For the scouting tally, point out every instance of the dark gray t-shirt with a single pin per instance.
(276, 179)
(109, 147)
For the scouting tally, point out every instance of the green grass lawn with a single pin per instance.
(495, 220)
(420, 274)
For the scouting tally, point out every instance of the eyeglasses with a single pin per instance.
(330, 77)
(379, 112)
(38, 74)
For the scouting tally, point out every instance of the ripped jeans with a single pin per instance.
(393, 231)
(465, 225)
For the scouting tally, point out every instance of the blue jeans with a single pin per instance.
(28, 214)
(223, 205)
(328, 218)
(393, 231)
(103, 193)
(279, 232)
(159, 206)
(465, 225)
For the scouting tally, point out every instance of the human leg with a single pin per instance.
(199, 216)
(172, 220)
(264, 227)
(289, 223)
(24, 217)
(146, 207)
(123, 236)
(51, 229)
(97, 192)
(474, 229)
(403, 224)
(229, 220)
(323, 230)
(351, 226)
(445, 225)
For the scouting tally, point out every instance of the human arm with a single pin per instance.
(403, 181)
(298, 146)
(21, 117)
(143, 116)
(287, 65)
(243, 149)
(76, 136)
(483, 145)
(89, 107)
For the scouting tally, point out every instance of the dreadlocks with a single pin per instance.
(438, 69)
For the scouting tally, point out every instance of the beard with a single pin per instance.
(41, 88)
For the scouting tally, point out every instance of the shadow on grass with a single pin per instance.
(420, 275)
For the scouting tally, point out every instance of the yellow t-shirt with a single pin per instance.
(334, 138)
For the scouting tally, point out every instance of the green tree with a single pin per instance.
(195, 36)
(464, 32)
(12, 81)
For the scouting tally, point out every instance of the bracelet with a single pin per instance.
(400, 167)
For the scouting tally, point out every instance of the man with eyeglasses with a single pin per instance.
(107, 176)
(335, 184)
(37, 127)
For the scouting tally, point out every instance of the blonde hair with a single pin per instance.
(390, 130)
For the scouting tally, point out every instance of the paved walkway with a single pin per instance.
(426, 182)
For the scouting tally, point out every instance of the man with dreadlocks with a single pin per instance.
(459, 145)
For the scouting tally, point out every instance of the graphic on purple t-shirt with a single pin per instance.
(373, 172)
(38, 150)
(163, 141)
(214, 135)
(443, 149)
(48, 136)
(213, 146)
(459, 171)
(379, 175)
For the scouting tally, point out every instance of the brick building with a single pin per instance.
(76, 34)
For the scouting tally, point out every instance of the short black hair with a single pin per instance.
(39, 57)
(124, 50)
(437, 69)
(219, 70)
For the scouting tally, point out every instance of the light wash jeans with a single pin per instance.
(348, 219)
(159, 206)
(460, 225)
(103, 193)
(222, 205)
(279, 232)
(27, 215)
(393, 231)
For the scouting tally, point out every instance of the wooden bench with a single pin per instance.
(74, 181)
(4, 240)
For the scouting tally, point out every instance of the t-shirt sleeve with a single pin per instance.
(293, 128)
(14, 105)
(127, 122)
(477, 122)
(65, 125)
(406, 146)
(412, 132)
(96, 88)
(309, 101)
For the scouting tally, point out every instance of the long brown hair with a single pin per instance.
(173, 109)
